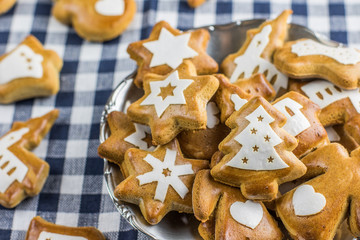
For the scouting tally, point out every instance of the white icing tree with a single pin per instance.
(258, 140)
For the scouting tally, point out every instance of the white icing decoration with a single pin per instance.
(22, 62)
(306, 202)
(342, 55)
(258, 140)
(298, 122)
(55, 236)
(212, 110)
(170, 49)
(137, 137)
(238, 101)
(332, 134)
(163, 182)
(178, 97)
(10, 161)
(323, 93)
(110, 7)
(248, 213)
(251, 58)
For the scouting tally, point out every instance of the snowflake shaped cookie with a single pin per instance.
(161, 180)
(255, 55)
(166, 48)
(257, 152)
(174, 103)
(23, 174)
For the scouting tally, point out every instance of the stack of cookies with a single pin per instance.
(246, 148)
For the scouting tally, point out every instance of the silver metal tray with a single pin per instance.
(225, 39)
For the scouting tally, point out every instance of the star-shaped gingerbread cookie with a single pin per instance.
(258, 152)
(29, 71)
(255, 55)
(6, 5)
(159, 181)
(96, 20)
(174, 102)
(22, 173)
(167, 48)
(226, 214)
(39, 229)
(124, 134)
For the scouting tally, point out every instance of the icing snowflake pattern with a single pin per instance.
(166, 173)
(258, 140)
(137, 137)
(11, 168)
(324, 93)
(212, 110)
(295, 123)
(342, 55)
(22, 62)
(170, 49)
(177, 97)
(252, 59)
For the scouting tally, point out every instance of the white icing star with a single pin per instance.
(169, 177)
(137, 137)
(178, 97)
(212, 119)
(170, 49)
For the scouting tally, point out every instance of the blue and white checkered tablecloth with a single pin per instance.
(75, 192)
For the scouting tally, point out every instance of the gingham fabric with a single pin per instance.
(75, 192)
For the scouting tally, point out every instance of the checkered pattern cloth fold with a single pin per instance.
(75, 193)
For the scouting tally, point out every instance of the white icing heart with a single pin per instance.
(306, 202)
(110, 7)
(248, 213)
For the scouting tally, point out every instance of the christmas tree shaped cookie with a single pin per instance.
(96, 20)
(39, 229)
(255, 55)
(29, 71)
(159, 181)
(124, 135)
(258, 153)
(231, 97)
(338, 106)
(226, 214)
(174, 102)
(302, 122)
(23, 174)
(316, 208)
(167, 48)
(6, 5)
(306, 58)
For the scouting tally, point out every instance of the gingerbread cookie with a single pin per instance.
(166, 48)
(231, 97)
(174, 102)
(6, 5)
(227, 214)
(29, 71)
(159, 181)
(338, 106)
(258, 152)
(39, 229)
(302, 122)
(255, 55)
(124, 135)
(23, 174)
(96, 20)
(316, 208)
(306, 58)
(203, 143)
(195, 3)
(337, 134)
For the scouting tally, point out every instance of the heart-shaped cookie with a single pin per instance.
(110, 7)
(248, 213)
(307, 202)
